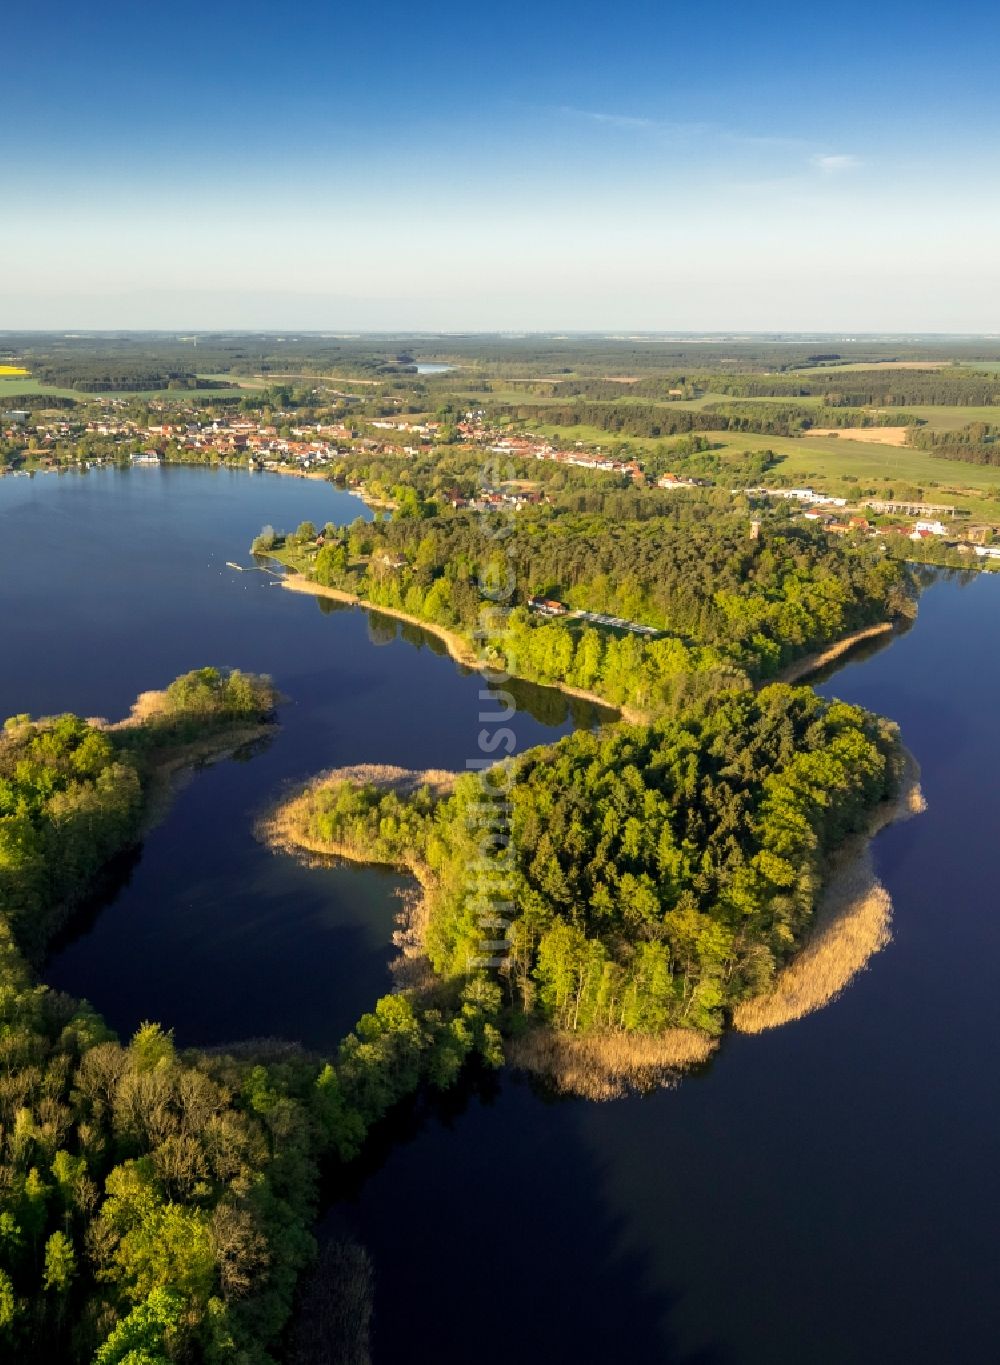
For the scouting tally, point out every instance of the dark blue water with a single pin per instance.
(824, 1194)
(116, 581)
(828, 1192)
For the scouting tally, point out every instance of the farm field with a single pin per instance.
(607, 440)
(236, 381)
(831, 464)
(869, 436)
(256, 382)
(951, 419)
(11, 387)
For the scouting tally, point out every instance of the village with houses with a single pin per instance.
(319, 448)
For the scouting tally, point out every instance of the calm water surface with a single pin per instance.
(116, 581)
(827, 1193)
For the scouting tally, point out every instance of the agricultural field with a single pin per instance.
(13, 387)
(830, 464)
(944, 418)
(7, 370)
(835, 465)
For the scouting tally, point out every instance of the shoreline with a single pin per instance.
(170, 774)
(462, 653)
(290, 472)
(458, 648)
(162, 776)
(279, 830)
(852, 922)
(608, 1066)
(812, 663)
(599, 1066)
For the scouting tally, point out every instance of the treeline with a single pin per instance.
(36, 402)
(791, 420)
(647, 420)
(655, 877)
(155, 1204)
(977, 443)
(650, 420)
(71, 794)
(871, 388)
(93, 375)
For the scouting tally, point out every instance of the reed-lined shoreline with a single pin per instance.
(852, 923)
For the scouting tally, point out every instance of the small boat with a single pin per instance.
(231, 565)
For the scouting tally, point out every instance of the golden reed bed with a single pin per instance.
(853, 922)
(605, 1066)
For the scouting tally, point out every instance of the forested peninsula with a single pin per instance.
(659, 876)
(154, 1203)
(723, 603)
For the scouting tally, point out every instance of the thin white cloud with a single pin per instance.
(830, 163)
(632, 121)
(835, 163)
(612, 120)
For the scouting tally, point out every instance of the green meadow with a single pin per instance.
(13, 387)
(832, 464)
(842, 467)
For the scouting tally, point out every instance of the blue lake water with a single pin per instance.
(824, 1194)
(114, 582)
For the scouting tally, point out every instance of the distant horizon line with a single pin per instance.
(556, 334)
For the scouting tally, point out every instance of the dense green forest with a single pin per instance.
(102, 378)
(656, 876)
(651, 420)
(977, 443)
(648, 420)
(155, 1204)
(950, 386)
(728, 606)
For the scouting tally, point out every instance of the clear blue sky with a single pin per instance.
(545, 165)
